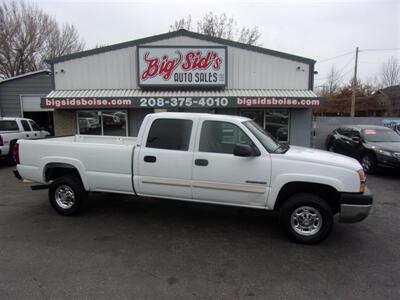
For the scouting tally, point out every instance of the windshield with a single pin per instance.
(269, 143)
(380, 135)
(8, 125)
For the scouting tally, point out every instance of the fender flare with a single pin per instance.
(77, 164)
(284, 179)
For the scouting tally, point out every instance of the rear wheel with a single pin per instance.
(306, 218)
(368, 162)
(66, 195)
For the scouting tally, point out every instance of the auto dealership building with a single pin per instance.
(110, 90)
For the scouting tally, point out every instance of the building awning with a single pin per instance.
(128, 98)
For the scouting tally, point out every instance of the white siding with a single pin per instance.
(117, 69)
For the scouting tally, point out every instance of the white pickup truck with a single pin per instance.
(14, 129)
(207, 158)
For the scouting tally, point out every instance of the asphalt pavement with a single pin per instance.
(122, 247)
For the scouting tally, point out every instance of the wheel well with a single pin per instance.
(326, 192)
(56, 170)
(367, 151)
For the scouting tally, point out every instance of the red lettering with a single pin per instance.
(163, 68)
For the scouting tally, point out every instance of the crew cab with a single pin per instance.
(14, 129)
(218, 159)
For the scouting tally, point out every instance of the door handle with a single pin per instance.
(150, 159)
(201, 162)
(27, 135)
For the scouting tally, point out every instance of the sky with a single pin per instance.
(316, 29)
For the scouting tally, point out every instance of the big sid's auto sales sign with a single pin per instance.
(182, 66)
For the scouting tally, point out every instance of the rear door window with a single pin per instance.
(171, 134)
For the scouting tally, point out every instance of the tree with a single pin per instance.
(333, 81)
(220, 26)
(29, 37)
(390, 72)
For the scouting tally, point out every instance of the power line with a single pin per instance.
(340, 77)
(350, 52)
(382, 49)
(334, 57)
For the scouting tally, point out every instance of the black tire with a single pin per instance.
(368, 162)
(66, 195)
(316, 208)
(10, 156)
(330, 145)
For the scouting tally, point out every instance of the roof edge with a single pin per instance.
(26, 75)
(181, 32)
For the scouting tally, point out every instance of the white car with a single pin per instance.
(207, 158)
(14, 129)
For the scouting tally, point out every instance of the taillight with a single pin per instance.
(16, 153)
(363, 178)
(1, 141)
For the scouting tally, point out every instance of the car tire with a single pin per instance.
(66, 195)
(330, 147)
(10, 156)
(306, 218)
(368, 163)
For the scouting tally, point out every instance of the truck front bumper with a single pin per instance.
(355, 207)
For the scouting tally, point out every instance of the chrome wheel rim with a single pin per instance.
(65, 196)
(366, 163)
(306, 220)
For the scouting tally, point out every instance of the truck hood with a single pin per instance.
(321, 157)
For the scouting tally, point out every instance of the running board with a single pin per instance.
(39, 187)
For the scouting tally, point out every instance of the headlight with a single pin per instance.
(363, 179)
(384, 152)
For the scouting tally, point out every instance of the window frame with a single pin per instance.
(191, 135)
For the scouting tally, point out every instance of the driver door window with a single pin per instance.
(221, 137)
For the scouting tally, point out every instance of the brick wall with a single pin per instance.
(64, 122)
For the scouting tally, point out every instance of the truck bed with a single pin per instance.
(104, 161)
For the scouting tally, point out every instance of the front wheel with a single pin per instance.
(66, 195)
(368, 162)
(306, 218)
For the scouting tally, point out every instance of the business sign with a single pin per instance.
(181, 66)
(177, 102)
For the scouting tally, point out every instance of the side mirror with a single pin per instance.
(243, 150)
(356, 139)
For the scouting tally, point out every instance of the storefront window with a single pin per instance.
(276, 122)
(106, 122)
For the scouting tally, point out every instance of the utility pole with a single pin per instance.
(353, 95)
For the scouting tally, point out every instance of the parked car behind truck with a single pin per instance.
(372, 145)
(14, 129)
(187, 157)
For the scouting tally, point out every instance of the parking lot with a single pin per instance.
(122, 247)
